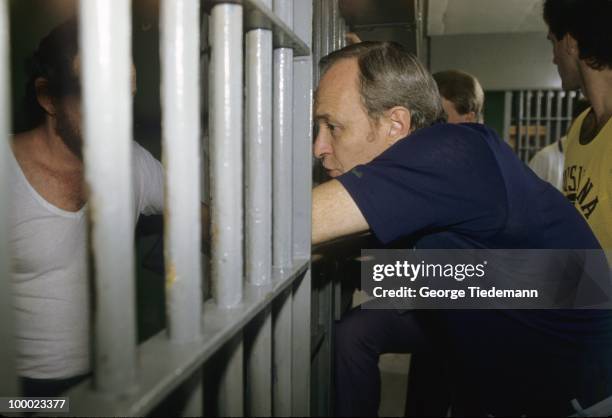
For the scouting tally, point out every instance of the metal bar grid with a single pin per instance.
(538, 118)
(279, 299)
(156, 379)
(197, 331)
(260, 16)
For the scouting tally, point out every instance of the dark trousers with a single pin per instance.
(361, 337)
(429, 388)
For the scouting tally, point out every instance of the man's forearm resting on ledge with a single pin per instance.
(334, 213)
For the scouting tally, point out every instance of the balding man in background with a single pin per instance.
(462, 96)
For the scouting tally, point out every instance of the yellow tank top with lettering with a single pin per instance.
(587, 178)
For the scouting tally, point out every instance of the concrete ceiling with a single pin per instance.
(455, 17)
(381, 20)
(377, 12)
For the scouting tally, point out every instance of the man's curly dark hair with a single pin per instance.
(588, 21)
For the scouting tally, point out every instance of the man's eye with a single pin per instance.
(331, 128)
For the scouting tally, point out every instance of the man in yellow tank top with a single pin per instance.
(582, 44)
(587, 176)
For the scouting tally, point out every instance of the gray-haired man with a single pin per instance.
(404, 176)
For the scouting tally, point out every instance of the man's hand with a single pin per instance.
(334, 213)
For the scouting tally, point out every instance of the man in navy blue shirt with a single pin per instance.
(400, 174)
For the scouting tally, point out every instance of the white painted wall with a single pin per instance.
(500, 61)
(456, 17)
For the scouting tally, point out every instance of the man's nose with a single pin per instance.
(321, 146)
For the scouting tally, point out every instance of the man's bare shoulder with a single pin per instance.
(57, 184)
(24, 146)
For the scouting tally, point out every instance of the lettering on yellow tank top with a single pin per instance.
(587, 178)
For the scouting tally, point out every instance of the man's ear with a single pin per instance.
(471, 117)
(570, 44)
(42, 95)
(399, 123)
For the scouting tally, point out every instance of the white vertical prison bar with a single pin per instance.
(258, 158)
(282, 163)
(519, 123)
(301, 350)
(194, 402)
(325, 27)
(538, 121)
(335, 25)
(226, 136)
(283, 214)
(302, 139)
(526, 144)
(258, 397)
(106, 56)
(180, 49)
(570, 109)
(507, 115)
(8, 382)
(560, 96)
(302, 204)
(258, 182)
(549, 96)
(316, 40)
(282, 361)
(231, 390)
(226, 153)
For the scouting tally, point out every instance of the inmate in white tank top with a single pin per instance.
(48, 248)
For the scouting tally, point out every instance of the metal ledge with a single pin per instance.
(163, 366)
(259, 16)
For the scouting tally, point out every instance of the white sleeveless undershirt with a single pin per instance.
(49, 271)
